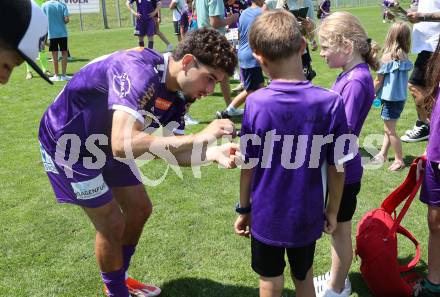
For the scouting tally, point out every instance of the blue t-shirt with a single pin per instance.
(395, 82)
(245, 57)
(56, 12)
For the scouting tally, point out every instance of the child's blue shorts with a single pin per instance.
(391, 110)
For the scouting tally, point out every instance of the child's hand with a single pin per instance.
(330, 223)
(242, 225)
(227, 155)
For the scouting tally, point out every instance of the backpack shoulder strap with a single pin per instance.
(404, 190)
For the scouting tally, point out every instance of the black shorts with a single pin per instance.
(348, 202)
(418, 74)
(268, 261)
(58, 44)
(252, 78)
(183, 23)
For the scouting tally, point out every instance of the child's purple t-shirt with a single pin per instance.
(132, 81)
(357, 90)
(288, 202)
(433, 148)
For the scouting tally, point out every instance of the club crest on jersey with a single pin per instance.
(121, 85)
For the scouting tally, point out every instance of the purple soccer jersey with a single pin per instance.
(289, 181)
(357, 90)
(132, 81)
(430, 192)
(433, 148)
(145, 25)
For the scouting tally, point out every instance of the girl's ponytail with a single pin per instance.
(372, 55)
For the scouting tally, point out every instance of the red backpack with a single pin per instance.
(376, 242)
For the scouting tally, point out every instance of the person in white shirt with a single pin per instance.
(425, 37)
(180, 18)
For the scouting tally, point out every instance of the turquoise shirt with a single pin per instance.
(56, 12)
(395, 82)
(207, 8)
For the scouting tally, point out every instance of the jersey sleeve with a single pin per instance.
(131, 85)
(353, 94)
(247, 134)
(338, 127)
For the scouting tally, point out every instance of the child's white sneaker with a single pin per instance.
(323, 291)
(320, 283)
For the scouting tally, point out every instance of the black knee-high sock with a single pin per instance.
(141, 44)
(150, 44)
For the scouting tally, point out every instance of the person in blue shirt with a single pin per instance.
(58, 16)
(250, 69)
(391, 88)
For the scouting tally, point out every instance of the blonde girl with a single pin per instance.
(391, 88)
(345, 44)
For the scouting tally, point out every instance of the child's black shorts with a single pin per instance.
(348, 202)
(268, 261)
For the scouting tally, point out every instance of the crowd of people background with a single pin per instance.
(271, 40)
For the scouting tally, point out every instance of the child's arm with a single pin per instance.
(130, 8)
(378, 82)
(156, 11)
(242, 223)
(335, 187)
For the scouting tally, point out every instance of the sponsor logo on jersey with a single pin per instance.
(48, 164)
(163, 104)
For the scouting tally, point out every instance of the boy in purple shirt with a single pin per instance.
(107, 113)
(430, 192)
(286, 173)
(345, 45)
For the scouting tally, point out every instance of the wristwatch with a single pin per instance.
(242, 210)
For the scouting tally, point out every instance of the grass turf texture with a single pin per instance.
(188, 247)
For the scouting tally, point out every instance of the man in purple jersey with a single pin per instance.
(107, 112)
(430, 192)
(288, 167)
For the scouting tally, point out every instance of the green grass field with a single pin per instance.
(188, 247)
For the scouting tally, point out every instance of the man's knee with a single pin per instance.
(108, 220)
(142, 210)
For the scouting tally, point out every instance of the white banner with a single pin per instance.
(83, 6)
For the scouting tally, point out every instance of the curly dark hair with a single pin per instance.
(210, 48)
